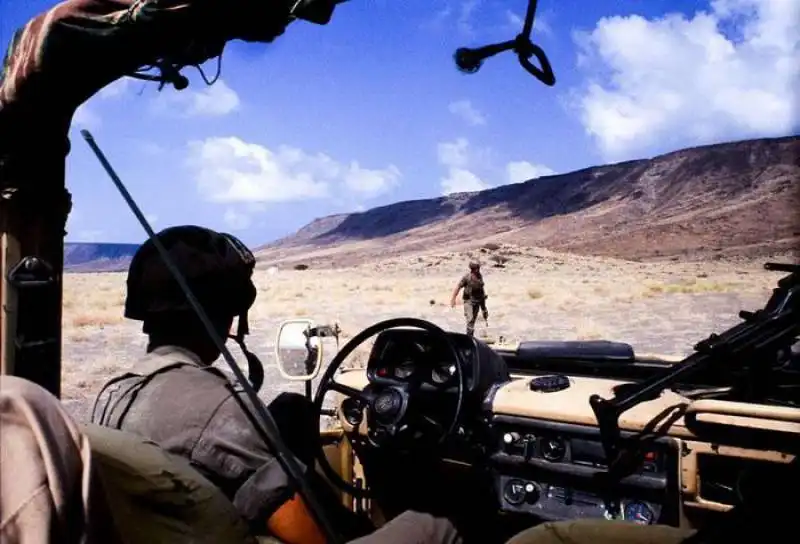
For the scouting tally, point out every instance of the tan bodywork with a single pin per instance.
(572, 406)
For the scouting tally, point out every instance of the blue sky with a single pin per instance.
(370, 109)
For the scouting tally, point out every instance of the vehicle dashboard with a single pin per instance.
(542, 447)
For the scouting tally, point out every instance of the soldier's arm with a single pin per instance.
(460, 284)
(292, 523)
(230, 448)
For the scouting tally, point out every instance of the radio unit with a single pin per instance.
(559, 471)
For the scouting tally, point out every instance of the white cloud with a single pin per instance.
(519, 171)
(461, 13)
(229, 170)
(461, 161)
(459, 180)
(85, 117)
(470, 168)
(371, 183)
(727, 73)
(214, 101)
(465, 13)
(151, 218)
(467, 112)
(236, 220)
(453, 154)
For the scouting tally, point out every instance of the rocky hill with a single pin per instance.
(91, 257)
(738, 199)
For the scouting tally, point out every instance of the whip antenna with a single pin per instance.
(266, 428)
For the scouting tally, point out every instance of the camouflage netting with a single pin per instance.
(63, 56)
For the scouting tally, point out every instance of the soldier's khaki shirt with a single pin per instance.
(194, 411)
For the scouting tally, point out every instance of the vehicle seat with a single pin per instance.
(157, 497)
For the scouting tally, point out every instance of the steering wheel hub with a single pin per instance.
(388, 405)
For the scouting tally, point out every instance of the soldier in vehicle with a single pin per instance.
(57, 489)
(474, 296)
(175, 398)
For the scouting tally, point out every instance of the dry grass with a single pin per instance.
(91, 302)
(663, 307)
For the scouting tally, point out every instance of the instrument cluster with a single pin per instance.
(419, 362)
(413, 357)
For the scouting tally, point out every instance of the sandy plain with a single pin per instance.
(657, 307)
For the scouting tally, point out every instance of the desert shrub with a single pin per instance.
(499, 260)
(491, 246)
(301, 266)
(534, 294)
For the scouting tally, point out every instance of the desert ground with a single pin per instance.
(657, 307)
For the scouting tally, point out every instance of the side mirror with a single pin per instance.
(297, 350)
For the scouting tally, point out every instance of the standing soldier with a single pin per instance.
(474, 296)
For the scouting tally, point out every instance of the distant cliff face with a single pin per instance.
(732, 199)
(90, 257)
(725, 200)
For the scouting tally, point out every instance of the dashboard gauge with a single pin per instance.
(553, 449)
(638, 512)
(404, 370)
(442, 373)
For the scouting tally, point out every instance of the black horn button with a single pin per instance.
(388, 404)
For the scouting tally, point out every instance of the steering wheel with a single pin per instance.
(392, 415)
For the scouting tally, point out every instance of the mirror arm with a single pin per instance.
(324, 331)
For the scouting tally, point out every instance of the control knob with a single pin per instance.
(517, 492)
(514, 492)
(531, 493)
(511, 438)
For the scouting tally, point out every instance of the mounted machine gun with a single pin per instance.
(749, 349)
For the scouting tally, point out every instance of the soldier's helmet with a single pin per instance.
(474, 265)
(218, 268)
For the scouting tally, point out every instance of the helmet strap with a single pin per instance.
(255, 369)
